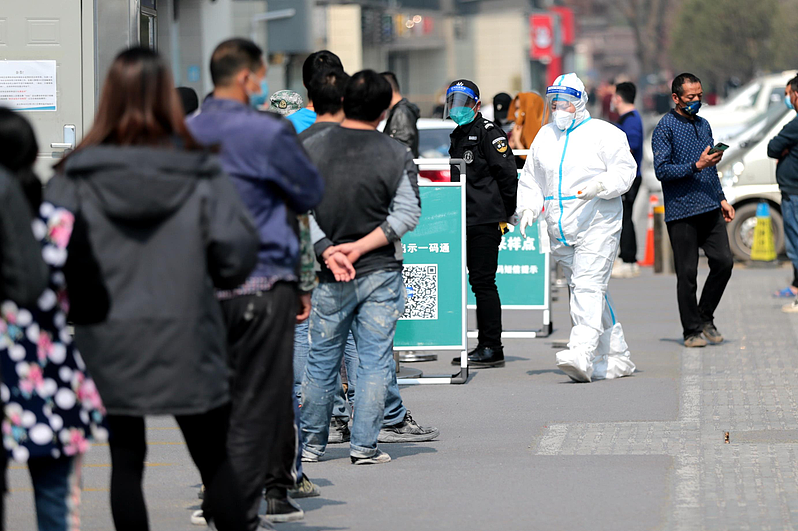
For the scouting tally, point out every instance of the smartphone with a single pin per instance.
(718, 148)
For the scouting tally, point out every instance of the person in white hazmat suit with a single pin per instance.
(576, 173)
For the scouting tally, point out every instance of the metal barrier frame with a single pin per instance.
(548, 326)
(462, 376)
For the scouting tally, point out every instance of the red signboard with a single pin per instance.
(567, 24)
(541, 29)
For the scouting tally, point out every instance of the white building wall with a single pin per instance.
(500, 52)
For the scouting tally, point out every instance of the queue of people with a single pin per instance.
(184, 249)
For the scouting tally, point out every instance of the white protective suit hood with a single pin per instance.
(566, 88)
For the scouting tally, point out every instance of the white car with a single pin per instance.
(433, 143)
(747, 103)
(748, 177)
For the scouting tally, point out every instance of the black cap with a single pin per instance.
(502, 101)
(466, 83)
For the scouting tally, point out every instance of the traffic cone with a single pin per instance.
(763, 250)
(648, 261)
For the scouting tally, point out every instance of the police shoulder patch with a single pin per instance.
(500, 144)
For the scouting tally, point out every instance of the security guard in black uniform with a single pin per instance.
(491, 187)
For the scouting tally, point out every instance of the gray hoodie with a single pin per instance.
(155, 231)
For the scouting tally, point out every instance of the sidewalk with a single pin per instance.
(524, 448)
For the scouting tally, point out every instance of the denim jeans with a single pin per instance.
(394, 408)
(789, 213)
(369, 307)
(301, 351)
(56, 490)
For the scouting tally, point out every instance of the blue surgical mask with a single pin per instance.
(691, 109)
(462, 115)
(788, 103)
(257, 101)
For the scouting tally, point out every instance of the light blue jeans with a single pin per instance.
(369, 307)
(301, 351)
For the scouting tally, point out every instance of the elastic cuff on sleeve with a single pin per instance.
(322, 245)
(694, 168)
(390, 234)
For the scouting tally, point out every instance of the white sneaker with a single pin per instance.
(792, 307)
(624, 270)
(197, 518)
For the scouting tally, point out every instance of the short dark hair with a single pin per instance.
(326, 90)
(317, 61)
(231, 57)
(793, 84)
(627, 91)
(189, 99)
(677, 87)
(391, 77)
(367, 95)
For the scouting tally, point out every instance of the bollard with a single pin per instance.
(663, 254)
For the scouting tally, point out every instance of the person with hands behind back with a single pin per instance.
(579, 168)
(369, 298)
(696, 210)
(491, 186)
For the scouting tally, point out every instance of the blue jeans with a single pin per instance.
(789, 213)
(56, 490)
(394, 408)
(301, 351)
(369, 307)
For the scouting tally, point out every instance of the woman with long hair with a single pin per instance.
(157, 227)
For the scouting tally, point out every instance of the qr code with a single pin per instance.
(421, 283)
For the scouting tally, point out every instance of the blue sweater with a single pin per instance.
(631, 124)
(271, 171)
(677, 143)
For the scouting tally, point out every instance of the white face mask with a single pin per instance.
(563, 119)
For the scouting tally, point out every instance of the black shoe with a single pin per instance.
(487, 357)
(406, 431)
(456, 361)
(484, 357)
(282, 510)
(339, 431)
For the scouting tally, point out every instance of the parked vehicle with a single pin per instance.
(748, 177)
(751, 101)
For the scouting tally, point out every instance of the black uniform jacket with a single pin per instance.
(491, 176)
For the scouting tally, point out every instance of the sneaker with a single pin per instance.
(625, 270)
(304, 489)
(791, 308)
(282, 510)
(695, 341)
(712, 334)
(406, 431)
(309, 457)
(339, 431)
(376, 459)
(198, 518)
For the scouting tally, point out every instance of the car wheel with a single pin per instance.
(741, 231)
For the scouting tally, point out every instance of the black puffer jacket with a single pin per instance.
(401, 124)
(155, 231)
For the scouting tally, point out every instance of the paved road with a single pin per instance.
(524, 448)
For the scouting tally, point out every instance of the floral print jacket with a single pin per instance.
(52, 407)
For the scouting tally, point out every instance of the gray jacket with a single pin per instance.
(155, 231)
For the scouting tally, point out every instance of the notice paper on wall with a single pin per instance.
(28, 85)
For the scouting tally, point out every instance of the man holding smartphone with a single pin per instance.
(696, 210)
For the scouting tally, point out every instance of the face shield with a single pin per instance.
(562, 106)
(461, 103)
